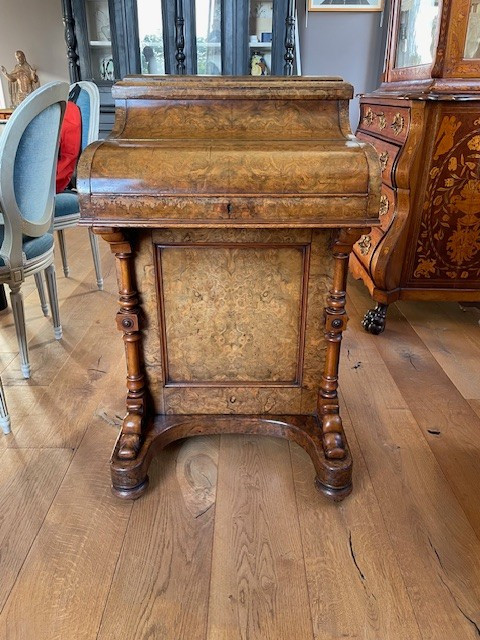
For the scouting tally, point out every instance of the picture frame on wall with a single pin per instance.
(345, 5)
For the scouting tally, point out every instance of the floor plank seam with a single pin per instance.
(220, 444)
(436, 458)
(290, 445)
(114, 572)
(387, 531)
(40, 527)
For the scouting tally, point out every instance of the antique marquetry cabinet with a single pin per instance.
(231, 205)
(424, 121)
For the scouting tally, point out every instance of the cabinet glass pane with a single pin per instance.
(472, 42)
(150, 35)
(208, 15)
(260, 37)
(99, 40)
(416, 32)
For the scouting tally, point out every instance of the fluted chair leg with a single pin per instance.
(16, 300)
(4, 417)
(63, 251)
(96, 258)
(53, 297)
(41, 292)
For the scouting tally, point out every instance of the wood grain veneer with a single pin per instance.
(231, 205)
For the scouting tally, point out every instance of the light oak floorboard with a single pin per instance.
(256, 553)
(19, 472)
(355, 586)
(61, 590)
(437, 550)
(475, 404)
(449, 424)
(258, 583)
(453, 338)
(161, 586)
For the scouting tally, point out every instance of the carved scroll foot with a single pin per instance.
(129, 477)
(375, 319)
(132, 493)
(337, 495)
(333, 439)
(129, 446)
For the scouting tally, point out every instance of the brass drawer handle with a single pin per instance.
(384, 160)
(365, 244)
(369, 117)
(397, 124)
(384, 205)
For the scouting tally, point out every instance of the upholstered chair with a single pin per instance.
(67, 209)
(4, 417)
(28, 159)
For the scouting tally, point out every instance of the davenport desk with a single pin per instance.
(231, 205)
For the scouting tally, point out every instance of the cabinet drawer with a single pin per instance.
(387, 207)
(365, 247)
(387, 153)
(388, 122)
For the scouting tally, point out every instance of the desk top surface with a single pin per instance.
(230, 151)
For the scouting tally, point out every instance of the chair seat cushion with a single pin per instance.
(32, 247)
(66, 204)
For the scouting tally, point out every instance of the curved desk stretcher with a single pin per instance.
(231, 205)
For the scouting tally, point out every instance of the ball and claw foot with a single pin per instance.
(375, 319)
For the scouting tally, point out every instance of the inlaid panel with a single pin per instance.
(232, 313)
(309, 259)
(448, 240)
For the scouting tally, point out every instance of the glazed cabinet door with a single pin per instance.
(230, 37)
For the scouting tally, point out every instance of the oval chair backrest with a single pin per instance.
(88, 102)
(28, 160)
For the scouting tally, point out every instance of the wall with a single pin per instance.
(35, 27)
(349, 44)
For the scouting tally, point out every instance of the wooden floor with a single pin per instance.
(232, 542)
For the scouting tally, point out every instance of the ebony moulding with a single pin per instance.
(231, 206)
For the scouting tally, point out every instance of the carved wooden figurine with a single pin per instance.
(22, 80)
(231, 205)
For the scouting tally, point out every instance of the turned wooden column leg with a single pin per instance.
(128, 321)
(335, 323)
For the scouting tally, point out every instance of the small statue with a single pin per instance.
(21, 81)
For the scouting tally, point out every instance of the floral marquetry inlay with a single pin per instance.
(449, 241)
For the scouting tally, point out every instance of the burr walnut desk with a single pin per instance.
(231, 205)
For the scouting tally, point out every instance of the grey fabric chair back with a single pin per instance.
(28, 161)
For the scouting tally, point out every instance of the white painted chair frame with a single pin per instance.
(4, 417)
(16, 225)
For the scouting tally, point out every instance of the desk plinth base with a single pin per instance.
(130, 479)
